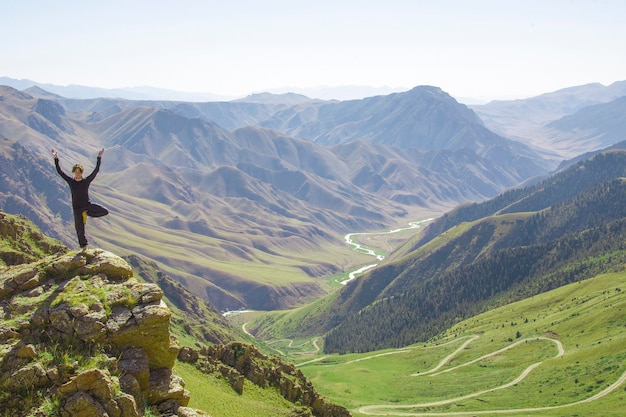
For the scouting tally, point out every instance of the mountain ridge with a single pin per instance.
(279, 199)
(156, 93)
(528, 119)
(475, 262)
(252, 196)
(237, 200)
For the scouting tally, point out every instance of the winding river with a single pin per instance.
(361, 249)
(367, 251)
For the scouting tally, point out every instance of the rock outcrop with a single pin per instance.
(80, 336)
(23, 242)
(89, 335)
(237, 361)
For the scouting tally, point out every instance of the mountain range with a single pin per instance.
(255, 215)
(250, 199)
(347, 92)
(551, 122)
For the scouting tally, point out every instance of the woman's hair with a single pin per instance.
(78, 167)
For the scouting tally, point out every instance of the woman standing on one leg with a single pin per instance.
(79, 186)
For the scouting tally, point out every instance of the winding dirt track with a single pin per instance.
(447, 358)
(393, 410)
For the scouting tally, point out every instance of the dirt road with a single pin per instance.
(395, 410)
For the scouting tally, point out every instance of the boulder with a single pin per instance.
(94, 390)
(82, 404)
(69, 311)
(135, 362)
(30, 376)
(149, 330)
(26, 352)
(164, 386)
(187, 354)
(190, 412)
(18, 278)
(104, 262)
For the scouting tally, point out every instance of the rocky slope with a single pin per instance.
(238, 361)
(81, 336)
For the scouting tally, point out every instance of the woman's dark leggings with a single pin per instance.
(92, 210)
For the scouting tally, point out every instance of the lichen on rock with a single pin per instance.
(81, 327)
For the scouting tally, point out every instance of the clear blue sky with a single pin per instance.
(480, 49)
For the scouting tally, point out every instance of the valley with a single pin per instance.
(246, 202)
(408, 259)
(555, 353)
(546, 355)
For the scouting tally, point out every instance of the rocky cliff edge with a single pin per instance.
(80, 336)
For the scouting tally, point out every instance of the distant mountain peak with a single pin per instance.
(271, 98)
(427, 88)
(37, 91)
(7, 91)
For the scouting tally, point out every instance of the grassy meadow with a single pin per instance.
(561, 353)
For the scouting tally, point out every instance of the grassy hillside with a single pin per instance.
(582, 176)
(536, 243)
(216, 395)
(472, 267)
(320, 316)
(571, 340)
(21, 241)
(570, 227)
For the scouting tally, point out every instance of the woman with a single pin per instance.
(82, 206)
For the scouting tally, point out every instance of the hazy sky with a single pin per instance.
(478, 49)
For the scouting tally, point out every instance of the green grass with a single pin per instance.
(78, 291)
(216, 397)
(24, 240)
(304, 323)
(588, 318)
(296, 266)
(502, 223)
